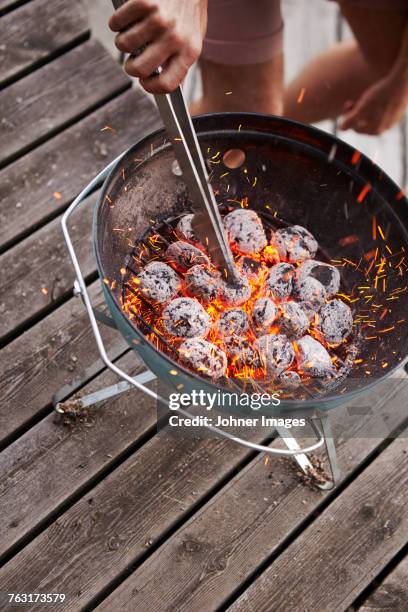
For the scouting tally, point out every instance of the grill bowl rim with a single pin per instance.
(368, 171)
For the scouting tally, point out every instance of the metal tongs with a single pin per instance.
(207, 222)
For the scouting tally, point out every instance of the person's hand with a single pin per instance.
(380, 107)
(173, 31)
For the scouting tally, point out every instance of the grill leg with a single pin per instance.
(291, 443)
(331, 452)
(102, 394)
(304, 462)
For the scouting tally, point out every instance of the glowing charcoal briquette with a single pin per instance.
(245, 231)
(204, 357)
(183, 255)
(202, 282)
(294, 243)
(335, 321)
(276, 353)
(186, 318)
(158, 282)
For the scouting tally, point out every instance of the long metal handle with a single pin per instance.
(207, 219)
(207, 222)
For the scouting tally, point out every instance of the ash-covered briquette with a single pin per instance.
(233, 322)
(312, 357)
(158, 282)
(326, 274)
(235, 293)
(204, 357)
(241, 352)
(294, 243)
(184, 229)
(186, 318)
(276, 353)
(335, 321)
(290, 379)
(264, 313)
(251, 268)
(294, 320)
(183, 255)
(203, 283)
(280, 280)
(245, 230)
(311, 293)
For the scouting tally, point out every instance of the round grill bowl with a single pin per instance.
(306, 177)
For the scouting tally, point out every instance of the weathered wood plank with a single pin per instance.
(333, 560)
(38, 272)
(122, 517)
(301, 43)
(37, 31)
(6, 5)
(203, 564)
(46, 101)
(59, 350)
(386, 150)
(143, 498)
(66, 455)
(41, 184)
(392, 594)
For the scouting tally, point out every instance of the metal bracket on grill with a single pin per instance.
(292, 450)
(99, 315)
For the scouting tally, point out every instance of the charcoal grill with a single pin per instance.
(292, 174)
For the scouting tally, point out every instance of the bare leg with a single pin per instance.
(250, 88)
(339, 76)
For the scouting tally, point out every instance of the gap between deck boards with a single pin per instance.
(10, 5)
(389, 590)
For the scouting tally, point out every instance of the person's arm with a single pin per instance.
(171, 30)
(384, 103)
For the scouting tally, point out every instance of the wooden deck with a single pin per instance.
(101, 508)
